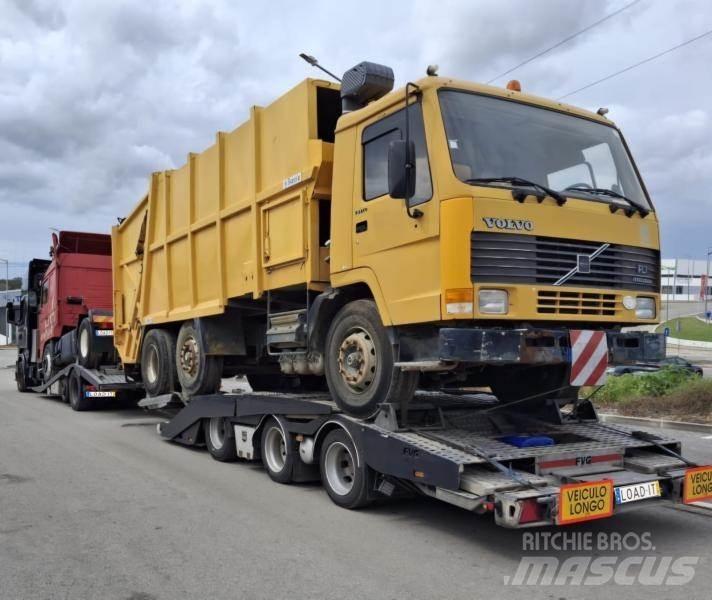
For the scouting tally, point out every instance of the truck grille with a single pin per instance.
(555, 302)
(513, 258)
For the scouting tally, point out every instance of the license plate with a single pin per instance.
(100, 394)
(585, 502)
(639, 491)
(698, 485)
(104, 332)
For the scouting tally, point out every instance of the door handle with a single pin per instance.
(361, 226)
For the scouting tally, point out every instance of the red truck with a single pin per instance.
(64, 318)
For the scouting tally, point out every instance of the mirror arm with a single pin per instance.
(412, 213)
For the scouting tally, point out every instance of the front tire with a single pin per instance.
(359, 362)
(198, 372)
(220, 439)
(344, 479)
(21, 375)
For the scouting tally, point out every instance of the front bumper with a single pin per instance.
(480, 346)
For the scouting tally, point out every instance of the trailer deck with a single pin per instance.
(453, 448)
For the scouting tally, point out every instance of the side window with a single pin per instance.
(376, 139)
(45, 293)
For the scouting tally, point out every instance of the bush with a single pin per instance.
(692, 401)
(658, 383)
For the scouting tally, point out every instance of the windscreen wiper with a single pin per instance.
(644, 212)
(518, 194)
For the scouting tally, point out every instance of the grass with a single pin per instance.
(670, 393)
(691, 329)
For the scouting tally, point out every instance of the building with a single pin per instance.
(682, 279)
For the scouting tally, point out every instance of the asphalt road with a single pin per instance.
(95, 506)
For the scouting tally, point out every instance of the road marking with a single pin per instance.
(707, 437)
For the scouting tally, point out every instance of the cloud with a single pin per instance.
(94, 96)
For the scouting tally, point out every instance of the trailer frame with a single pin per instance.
(450, 448)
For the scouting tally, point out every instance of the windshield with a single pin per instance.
(491, 137)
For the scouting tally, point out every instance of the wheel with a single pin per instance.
(359, 362)
(220, 439)
(48, 370)
(198, 373)
(345, 481)
(278, 451)
(21, 375)
(158, 362)
(77, 400)
(86, 351)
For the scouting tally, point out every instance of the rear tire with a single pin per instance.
(345, 481)
(86, 352)
(220, 439)
(198, 373)
(359, 362)
(278, 450)
(77, 400)
(158, 362)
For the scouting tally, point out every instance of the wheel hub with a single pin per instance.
(357, 360)
(189, 356)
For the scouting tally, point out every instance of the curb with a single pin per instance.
(671, 341)
(658, 424)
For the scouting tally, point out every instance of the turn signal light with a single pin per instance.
(459, 301)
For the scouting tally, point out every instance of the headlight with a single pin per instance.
(645, 307)
(493, 302)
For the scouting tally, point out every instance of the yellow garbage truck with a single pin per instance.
(447, 235)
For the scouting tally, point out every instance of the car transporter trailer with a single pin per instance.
(82, 387)
(530, 465)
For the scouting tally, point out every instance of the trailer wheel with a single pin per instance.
(359, 362)
(88, 356)
(198, 372)
(157, 362)
(77, 400)
(278, 451)
(344, 479)
(220, 439)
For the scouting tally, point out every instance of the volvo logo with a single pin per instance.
(583, 264)
(511, 224)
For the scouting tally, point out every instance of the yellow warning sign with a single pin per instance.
(585, 502)
(698, 484)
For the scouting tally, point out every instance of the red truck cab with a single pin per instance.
(77, 281)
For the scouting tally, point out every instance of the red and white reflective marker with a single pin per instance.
(589, 357)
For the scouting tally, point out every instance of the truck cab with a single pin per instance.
(67, 300)
(522, 219)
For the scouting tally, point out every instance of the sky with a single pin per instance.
(94, 96)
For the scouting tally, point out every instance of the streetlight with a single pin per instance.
(707, 279)
(7, 289)
(7, 277)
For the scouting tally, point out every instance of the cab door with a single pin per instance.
(401, 251)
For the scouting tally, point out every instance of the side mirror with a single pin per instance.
(401, 169)
(10, 312)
